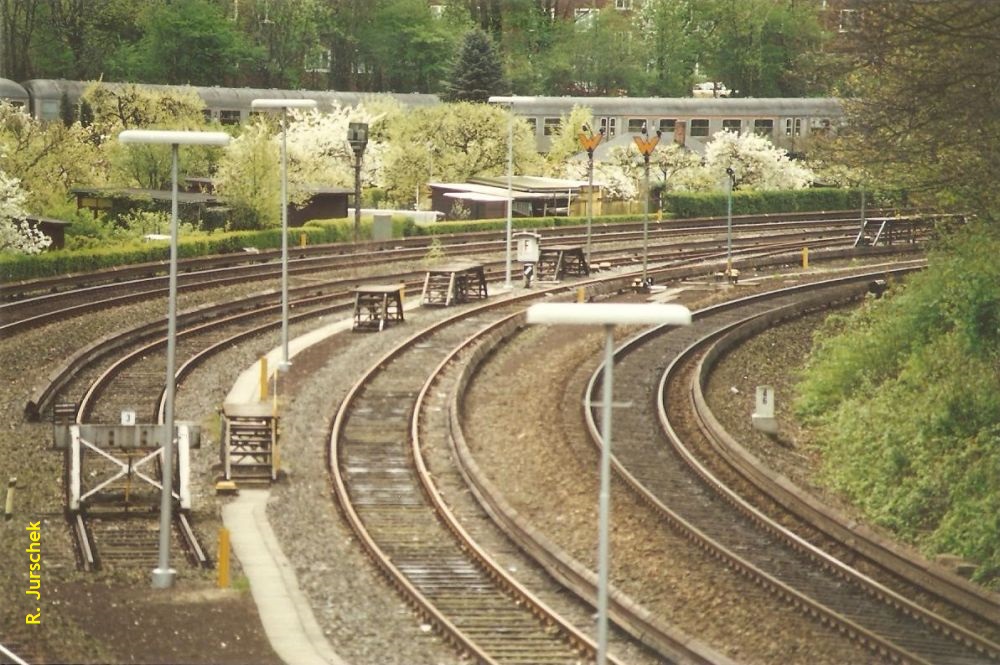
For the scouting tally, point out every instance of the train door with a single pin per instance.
(609, 126)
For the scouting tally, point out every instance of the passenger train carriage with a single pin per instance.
(690, 121)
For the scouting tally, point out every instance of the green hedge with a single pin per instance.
(713, 204)
(15, 267)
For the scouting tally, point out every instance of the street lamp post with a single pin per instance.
(283, 105)
(646, 146)
(589, 141)
(357, 136)
(509, 102)
(607, 315)
(163, 574)
(730, 182)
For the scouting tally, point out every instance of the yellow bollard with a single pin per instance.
(402, 291)
(223, 558)
(303, 240)
(263, 378)
(805, 258)
(581, 294)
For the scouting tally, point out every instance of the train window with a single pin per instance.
(667, 124)
(533, 124)
(229, 117)
(732, 125)
(636, 125)
(699, 127)
(793, 126)
(207, 113)
(50, 109)
(609, 127)
(763, 127)
(550, 127)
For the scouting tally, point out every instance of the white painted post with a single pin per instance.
(763, 415)
(74, 467)
(184, 466)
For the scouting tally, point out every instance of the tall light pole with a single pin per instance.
(646, 146)
(357, 136)
(509, 102)
(163, 574)
(283, 105)
(589, 141)
(607, 315)
(730, 182)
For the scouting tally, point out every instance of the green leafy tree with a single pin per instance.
(410, 48)
(190, 41)
(450, 143)
(922, 113)
(753, 46)
(477, 72)
(119, 107)
(598, 55)
(48, 159)
(674, 39)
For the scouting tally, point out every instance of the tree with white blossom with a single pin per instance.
(15, 233)
(756, 162)
(318, 154)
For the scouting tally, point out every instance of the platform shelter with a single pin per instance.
(376, 306)
(454, 283)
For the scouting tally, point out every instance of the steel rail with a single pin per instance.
(916, 571)
(848, 626)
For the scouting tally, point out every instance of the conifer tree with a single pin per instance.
(477, 72)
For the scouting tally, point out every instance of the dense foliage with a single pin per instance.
(659, 47)
(905, 397)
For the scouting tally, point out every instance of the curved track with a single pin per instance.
(744, 539)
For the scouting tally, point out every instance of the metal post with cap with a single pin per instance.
(607, 315)
(589, 142)
(510, 102)
(283, 105)
(357, 136)
(163, 574)
(646, 145)
(730, 183)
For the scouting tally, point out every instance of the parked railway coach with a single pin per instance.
(690, 121)
(13, 93)
(229, 106)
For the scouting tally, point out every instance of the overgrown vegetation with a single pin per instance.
(904, 399)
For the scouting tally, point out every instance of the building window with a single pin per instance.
(551, 126)
(667, 124)
(609, 127)
(732, 125)
(623, 4)
(699, 127)
(848, 20)
(763, 127)
(229, 117)
(636, 125)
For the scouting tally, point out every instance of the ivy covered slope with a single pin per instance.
(903, 397)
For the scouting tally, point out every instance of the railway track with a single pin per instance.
(384, 492)
(32, 304)
(318, 299)
(391, 502)
(889, 623)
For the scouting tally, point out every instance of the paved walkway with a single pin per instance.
(284, 609)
